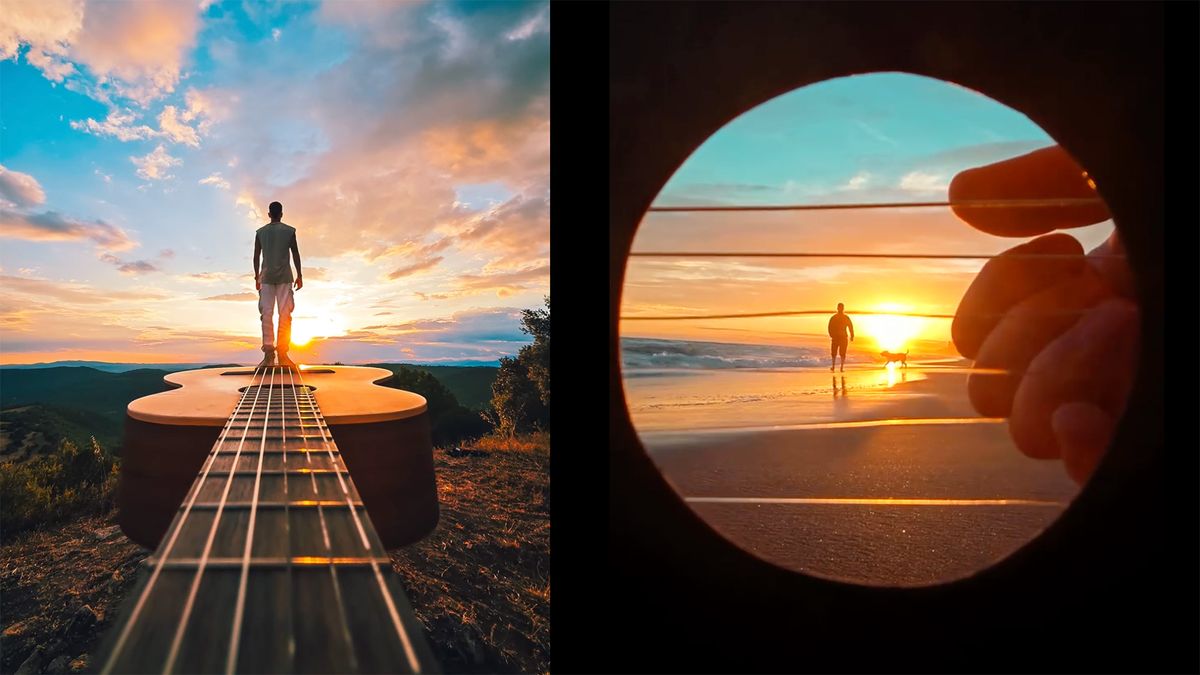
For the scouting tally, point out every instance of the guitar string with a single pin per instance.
(826, 312)
(899, 256)
(180, 519)
(973, 203)
(287, 525)
(177, 641)
(239, 608)
(337, 586)
(410, 653)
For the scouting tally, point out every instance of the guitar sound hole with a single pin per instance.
(930, 452)
(284, 385)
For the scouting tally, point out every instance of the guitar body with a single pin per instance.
(383, 435)
(270, 497)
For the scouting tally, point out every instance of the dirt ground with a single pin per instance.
(480, 583)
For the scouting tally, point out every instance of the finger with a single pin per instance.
(1024, 331)
(1083, 431)
(1008, 279)
(1108, 259)
(1049, 173)
(1093, 362)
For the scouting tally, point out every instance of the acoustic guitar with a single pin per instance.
(270, 497)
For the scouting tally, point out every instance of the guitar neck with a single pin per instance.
(271, 563)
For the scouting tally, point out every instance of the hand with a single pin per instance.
(257, 282)
(299, 282)
(1064, 328)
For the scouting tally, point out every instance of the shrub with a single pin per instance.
(47, 489)
(450, 421)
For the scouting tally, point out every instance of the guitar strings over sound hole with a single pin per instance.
(864, 325)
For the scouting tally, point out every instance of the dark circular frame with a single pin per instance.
(679, 73)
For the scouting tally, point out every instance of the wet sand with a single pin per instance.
(818, 495)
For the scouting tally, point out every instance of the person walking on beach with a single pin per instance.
(273, 242)
(838, 324)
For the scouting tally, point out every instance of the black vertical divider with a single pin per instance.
(579, 356)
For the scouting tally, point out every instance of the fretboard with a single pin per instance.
(271, 563)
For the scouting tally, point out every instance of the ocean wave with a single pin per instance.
(647, 353)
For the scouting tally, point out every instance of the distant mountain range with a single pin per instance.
(41, 405)
(175, 367)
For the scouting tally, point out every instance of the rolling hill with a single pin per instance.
(41, 406)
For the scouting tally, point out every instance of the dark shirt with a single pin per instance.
(276, 240)
(838, 324)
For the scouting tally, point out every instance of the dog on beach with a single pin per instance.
(901, 358)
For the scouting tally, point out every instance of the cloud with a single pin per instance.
(20, 189)
(133, 49)
(215, 179)
(52, 65)
(409, 270)
(175, 129)
(207, 277)
(51, 226)
(875, 133)
(517, 231)
(154, 165)
(72, 293)
(503, 284)
(118, 124)
(275, 33)
(476, 110)
(47, 26)
(233, 296)
(858, 181)
(137, 267)
(173, 122)
(919, 181)
(475, 334)
(130, 267)
(138, 47)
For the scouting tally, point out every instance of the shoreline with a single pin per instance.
(911, 488)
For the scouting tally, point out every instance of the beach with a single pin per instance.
(880, 475)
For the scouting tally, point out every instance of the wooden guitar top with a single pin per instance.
(345, 394)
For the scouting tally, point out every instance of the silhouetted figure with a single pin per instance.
(838, 325)
(273, 242)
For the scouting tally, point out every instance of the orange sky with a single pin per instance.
(874, 138)
(674, 286)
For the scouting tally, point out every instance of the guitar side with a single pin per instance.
(383, 434)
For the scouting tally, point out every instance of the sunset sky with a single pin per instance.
(141, 143)
(884, 137)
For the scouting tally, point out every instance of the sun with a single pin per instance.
(300, 336)
(305, 329)
(892, 332)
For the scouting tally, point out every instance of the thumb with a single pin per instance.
(1083, 431)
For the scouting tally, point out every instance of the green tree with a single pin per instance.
(536, 357)
(450, 421)
(516, 404)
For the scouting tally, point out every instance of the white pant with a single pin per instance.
(270, 296)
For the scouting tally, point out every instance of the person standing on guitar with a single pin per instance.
(274, 284)
(838, 324)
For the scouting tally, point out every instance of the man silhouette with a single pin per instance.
(274, 284)
(838, 324)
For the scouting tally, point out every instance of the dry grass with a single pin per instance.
(538, 442)
(59, 589)
(481, 581)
